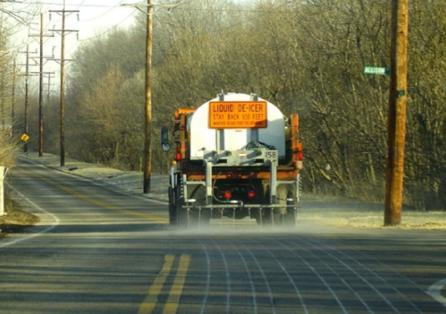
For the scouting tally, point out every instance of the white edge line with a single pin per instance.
(56, 220)
(435, 291)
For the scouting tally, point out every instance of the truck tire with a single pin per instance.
(182, 217)
(179, 213)
(285, 215)
(199, 216)
(172, 207)
(185, 217)
(263, 216)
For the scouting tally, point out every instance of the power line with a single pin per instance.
(100, 15)
(74, 5)
(109, 29)
(80, 4)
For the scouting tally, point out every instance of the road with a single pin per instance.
(99, 251)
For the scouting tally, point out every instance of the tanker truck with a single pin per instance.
(237, 157)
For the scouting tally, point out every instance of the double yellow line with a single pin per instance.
(159, 219)
(151, 300)
(171, 306)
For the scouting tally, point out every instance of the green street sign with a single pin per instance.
(376, 70)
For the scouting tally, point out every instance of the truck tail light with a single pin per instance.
(251, 194)
(298, 153)
(227, 195)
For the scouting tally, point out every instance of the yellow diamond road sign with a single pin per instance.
(24, 138)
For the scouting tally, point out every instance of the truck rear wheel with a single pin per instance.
(172, 207)
(262, 215)
(182, 216)
(193, 214)
(285, 215)
(198, 215)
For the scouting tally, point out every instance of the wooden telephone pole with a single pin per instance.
(13, 97)
(40, 145)
(25, 115)
(41, 35)
(147, 160)
(62, 91)
(147, 154)
(2, 99)
(25, 127)
(63, 31)
(397, 113)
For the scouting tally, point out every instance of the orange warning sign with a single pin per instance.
(237, 114)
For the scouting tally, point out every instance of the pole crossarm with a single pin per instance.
(59, 31)
(38, 35)
(143, 7)
(29, 74)
(44, 73)
(45, 59)
(58, 60)
(63, 11)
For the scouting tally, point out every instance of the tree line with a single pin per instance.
(304, 56)
(7, 143)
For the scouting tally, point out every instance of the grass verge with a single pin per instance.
(342, 212)
(15, 219)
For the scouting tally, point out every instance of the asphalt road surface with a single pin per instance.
(99, 251)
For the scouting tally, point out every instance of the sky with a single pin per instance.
(95, 18)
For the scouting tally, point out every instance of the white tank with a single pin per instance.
(203, 138)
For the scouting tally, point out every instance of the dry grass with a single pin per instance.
(7, 150)
(15, 219)
(340, 212)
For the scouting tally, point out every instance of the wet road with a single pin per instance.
(99, 251)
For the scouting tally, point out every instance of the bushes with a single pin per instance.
(304, 56)
(7, 150)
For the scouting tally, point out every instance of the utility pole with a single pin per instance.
(2, 99)
(13, 97)
(27, 75)
(25, 126)
(397, 113)
(40, 118)
(147, 154)
(147, 163)
(62, 32)
(40, 148)
(62, 91)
